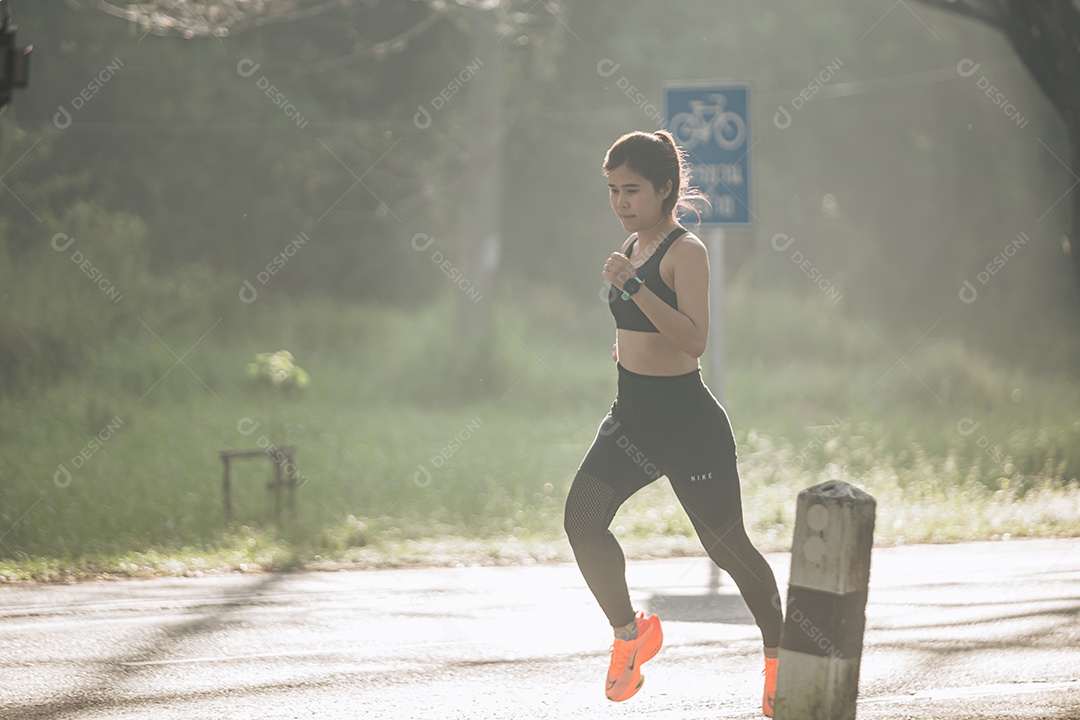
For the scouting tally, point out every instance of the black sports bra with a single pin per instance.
(627, 314)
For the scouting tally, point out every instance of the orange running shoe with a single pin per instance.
(770, 686)
(624, 676)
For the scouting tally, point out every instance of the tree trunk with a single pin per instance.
(484, 223)
(1073, 246)
(1044, 34)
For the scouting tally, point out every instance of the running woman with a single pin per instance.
(664, 420)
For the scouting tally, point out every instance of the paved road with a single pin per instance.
(978, 630)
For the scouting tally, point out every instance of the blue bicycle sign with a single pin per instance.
(709, 123)
(712, 122)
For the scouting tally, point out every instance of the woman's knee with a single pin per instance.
(727, 543)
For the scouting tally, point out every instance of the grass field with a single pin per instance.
(114, 468)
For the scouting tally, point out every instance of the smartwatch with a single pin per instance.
(631, 286)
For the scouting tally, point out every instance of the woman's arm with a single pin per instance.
(688, 327)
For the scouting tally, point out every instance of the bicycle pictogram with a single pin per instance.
(705, 122)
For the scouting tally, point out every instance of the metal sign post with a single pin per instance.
(715, 349)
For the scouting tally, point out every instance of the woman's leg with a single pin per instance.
(729, 547)
(611, 472)
(707, 485)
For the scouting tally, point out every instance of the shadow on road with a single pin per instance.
(705, 608)
(102, 689)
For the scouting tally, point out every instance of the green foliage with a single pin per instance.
(277, 376)
(383, 478)
(63, 297)
(278, 372)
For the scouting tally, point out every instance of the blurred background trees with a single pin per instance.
(410, 194)
(197, 155)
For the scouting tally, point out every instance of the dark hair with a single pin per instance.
(657, 158)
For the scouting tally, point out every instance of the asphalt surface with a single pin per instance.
(977, 630)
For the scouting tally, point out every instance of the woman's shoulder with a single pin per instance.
(688, 244)
(627, 241)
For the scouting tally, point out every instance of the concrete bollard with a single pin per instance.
(821, 647)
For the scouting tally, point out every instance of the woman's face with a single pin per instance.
(634, 199)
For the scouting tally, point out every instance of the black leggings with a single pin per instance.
(669, 426)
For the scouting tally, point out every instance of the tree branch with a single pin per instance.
(991, 12)
(1043, 35)
(223, 18)
(165, 17)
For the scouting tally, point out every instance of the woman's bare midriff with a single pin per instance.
(649, 353)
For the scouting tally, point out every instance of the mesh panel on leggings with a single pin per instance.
(588, 508)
